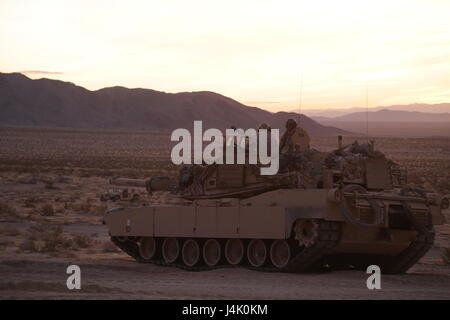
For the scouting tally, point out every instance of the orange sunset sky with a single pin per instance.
(256, 52)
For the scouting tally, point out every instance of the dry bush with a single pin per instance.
(98, 210)
(446, 256)
(29, 246)
(28, 179)
(63, 179)
(83, 241)
(31, 202)
(54, 240)
(46, 239)
(47, 210)
(50, 185)
(50, 239)
(8, 211)
(10, 231)
(443, 185)
(85, 207)
(5, 244)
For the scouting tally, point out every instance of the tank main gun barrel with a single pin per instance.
(152, 184)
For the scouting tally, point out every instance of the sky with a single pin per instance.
(277, 55)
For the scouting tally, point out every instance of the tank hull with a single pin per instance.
(283, 230)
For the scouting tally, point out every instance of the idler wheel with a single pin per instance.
(234, 251)
(190, 252)
(212, 252)
(147, 248)
(256, 252)
(170, 250)
(280, 253)
(306, 232)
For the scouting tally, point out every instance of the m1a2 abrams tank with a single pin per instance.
(347, 208)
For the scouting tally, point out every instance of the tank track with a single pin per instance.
(388, 264)
(304, 259)
(411, 255)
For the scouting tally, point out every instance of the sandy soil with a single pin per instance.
(115, 276)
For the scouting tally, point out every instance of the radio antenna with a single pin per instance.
(367, 112)
(301, 97)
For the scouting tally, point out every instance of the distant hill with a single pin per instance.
(415, 107)
(54, 103)
(386, 115)
(394, 129)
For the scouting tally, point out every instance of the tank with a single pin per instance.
(349, 208)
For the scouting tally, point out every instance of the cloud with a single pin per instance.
(260, 102)
(40, 72)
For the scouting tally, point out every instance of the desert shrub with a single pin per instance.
(45, 239)
(47, 210)
(443, 185)
(84, 207)
(10, 231)
(50, 185)
(28, 179)
(49, 239)
(28, 245)
(446, 256)
(83, 241)
(34, 232)
(62, 179)
(55, 240)
(8, 210)
(31, 202)
(98, 210)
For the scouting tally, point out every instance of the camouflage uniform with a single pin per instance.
(294, 139)
(293, 144)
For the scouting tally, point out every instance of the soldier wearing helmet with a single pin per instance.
(264, 126)
(294, 139)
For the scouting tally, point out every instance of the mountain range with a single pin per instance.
(53, 103)
(414, 107)
(387, 115)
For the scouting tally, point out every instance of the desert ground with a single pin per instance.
(51, 217)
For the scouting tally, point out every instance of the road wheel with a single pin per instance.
(256, 252)
(280, 253)
(190, 252)
(234, 251)
(170, 250)
(212, 252)
(147, 248)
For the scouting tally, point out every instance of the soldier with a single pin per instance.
(264, 126)
(294, 141)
